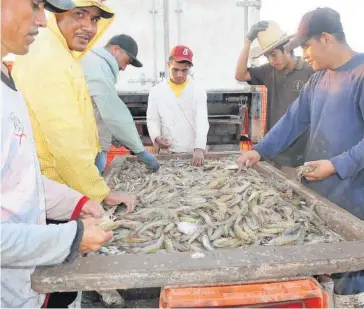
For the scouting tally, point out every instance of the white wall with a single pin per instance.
(213, 29)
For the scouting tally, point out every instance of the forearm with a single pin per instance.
(292, 125)
(24, 245)
(154, 126)
(78, 171)
(242, 73)
(62, 203)
(351, 162)
(119, 121)
(202, 129)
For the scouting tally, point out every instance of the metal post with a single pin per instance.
(166, 35)
(246, 20)
(179, 11)
(246, 4)
(154, 13)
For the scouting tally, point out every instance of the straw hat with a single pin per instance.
(269, 39)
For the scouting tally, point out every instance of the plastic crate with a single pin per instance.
(113, 152)
(151, 149)
(304, 293)
(246, 145)
(264, 110)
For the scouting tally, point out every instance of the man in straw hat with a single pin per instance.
(27, 197)
(331, 104)
(53, 84)
(284, 77)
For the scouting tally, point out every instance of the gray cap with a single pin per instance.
(59, 6)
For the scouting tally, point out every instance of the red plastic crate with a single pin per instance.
(264, 110)
(246, 145)
(301, 293)
(113, 152)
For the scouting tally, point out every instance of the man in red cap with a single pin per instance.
(177, 116)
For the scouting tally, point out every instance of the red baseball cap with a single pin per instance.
(182, 53)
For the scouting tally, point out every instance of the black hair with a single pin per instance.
(339, 36)
(281, 48)
(182, 62)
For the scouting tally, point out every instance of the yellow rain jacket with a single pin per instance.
(51, 80)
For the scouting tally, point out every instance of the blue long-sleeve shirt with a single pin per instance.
(332, 106)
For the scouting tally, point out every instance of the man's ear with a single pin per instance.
(287, 51)
(114, 50)
(327, 38)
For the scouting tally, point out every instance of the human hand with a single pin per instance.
(93, 237)
(249, 158)
(116, 198)
(198, 157)
(92, 209)
(323, 169)
(148, 159)
(162, 142)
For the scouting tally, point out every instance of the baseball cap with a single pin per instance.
(315, 23)
(128, 44)
(182, 53)
(59, 6)
(106, 12)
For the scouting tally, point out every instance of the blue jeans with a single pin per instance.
(100, 161)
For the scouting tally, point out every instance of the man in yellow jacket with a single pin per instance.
(51, 79)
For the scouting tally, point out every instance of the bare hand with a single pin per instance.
(249, 158)
(92, 209)
(162, 142)
(93, 236)
(323, 169)
(198, 157)
(116, 198)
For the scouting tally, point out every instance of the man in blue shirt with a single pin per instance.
(332, 105)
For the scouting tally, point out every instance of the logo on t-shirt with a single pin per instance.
(298, 85)
(18, 127)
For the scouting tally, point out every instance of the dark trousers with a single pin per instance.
(349, 283)
(62, 299)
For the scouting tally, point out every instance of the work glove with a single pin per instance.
(148, 159)
(253, 32)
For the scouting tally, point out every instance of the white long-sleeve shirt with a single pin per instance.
(182, 120)
(27, 198)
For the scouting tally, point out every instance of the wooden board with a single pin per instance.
(216, 267)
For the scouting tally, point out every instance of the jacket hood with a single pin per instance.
(102, 26)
